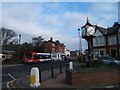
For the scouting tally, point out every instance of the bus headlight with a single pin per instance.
(31, 60)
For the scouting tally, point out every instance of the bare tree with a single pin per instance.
(8, 37)
(38, 44)
(37, 40)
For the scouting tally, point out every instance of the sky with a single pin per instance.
(59, 20)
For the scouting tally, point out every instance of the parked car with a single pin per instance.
(109, 59)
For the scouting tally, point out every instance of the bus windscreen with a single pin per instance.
(27, 56)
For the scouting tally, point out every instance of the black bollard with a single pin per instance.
(60, 69)
(40, 74)
(52, 72)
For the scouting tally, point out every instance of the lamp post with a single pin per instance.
(19, 46)
(80, 44)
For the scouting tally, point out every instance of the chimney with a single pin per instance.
(51, 39)
(115, 23)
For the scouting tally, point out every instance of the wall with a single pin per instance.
(88, 78)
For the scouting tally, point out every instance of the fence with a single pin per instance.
(53, 72)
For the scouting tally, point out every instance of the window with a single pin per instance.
(53, 45)
(99, 41)
(47, 56)
(113, 52)
(38, 56)
(98, 53)
(95, 40)
(53, 49)
(101, 52)
(112, 40)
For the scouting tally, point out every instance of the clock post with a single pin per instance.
(88, 33)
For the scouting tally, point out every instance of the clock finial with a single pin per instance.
(87, 20)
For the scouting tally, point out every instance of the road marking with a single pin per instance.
(12, 84)
(46, 71)
(8, 85)
(11, 76)
(11, 65)
(5, 74)
(110, 86)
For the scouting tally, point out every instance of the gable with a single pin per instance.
(98, 33)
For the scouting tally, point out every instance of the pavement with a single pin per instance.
(59, 81)
(46, 80)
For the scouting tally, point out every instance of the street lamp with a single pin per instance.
(80, 44)
(19, 46)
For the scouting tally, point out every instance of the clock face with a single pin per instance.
(90, 30)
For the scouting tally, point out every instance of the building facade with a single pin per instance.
(54, 46)
(105, 42)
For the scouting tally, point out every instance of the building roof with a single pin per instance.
(114, 29)
(105, 31)
(55, 42)
(102, 30)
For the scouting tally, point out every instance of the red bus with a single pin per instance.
(32, 57)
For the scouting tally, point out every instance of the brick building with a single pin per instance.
(54, 46)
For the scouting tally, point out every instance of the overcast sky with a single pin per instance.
(59, 20)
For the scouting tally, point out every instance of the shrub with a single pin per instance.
(11, 60)
(113, 64)
(80, 59)
(98, 62)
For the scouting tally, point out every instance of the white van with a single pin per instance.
(56, 56)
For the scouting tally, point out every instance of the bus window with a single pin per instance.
(38, 57)
(47, 56)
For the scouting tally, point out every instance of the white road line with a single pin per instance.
(4, 74)
(11, 76)
(110, 86)
(11, 65)
(8, 85)
(46, 71)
